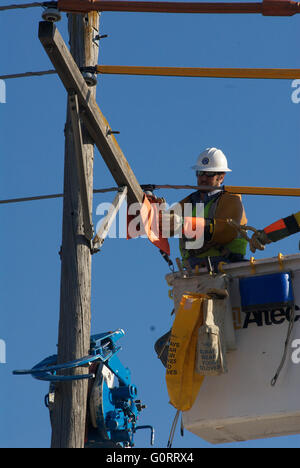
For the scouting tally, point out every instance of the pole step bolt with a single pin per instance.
(112, 132)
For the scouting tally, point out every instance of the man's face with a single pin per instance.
(214, 179)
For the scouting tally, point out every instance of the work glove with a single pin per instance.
(170, 223)
(154, 199)
(259, 240)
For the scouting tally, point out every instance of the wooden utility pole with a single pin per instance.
(69, 409)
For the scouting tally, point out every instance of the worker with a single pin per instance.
(281, 229)
(222, 242)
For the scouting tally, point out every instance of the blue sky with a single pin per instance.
(164, 123)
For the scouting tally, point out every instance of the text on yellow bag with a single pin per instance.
(183, 382)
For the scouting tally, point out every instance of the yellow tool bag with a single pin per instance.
(183, 382)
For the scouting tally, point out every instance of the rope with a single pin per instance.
(286, 346)
(241, 228)
(24, 5)
(173, 428)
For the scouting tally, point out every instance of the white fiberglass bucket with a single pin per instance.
(242, 404)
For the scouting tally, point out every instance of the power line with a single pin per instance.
(254, 73)
(111, 189)
(22, 5)
(28, 74)
(47, 197)
(272, 191)
(266, 7)
(194, 72)
(26, 199)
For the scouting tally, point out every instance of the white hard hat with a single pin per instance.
(212, 160)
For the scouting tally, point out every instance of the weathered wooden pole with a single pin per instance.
(69, 409)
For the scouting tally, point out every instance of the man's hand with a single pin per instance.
(170, 223)
(258, 241)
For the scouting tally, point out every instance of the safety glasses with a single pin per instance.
(207, 174)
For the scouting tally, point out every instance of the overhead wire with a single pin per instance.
(47, 197)
(261, 73)
(188, 72)
(200, 72)
(28, 74)
(21, 6)
(267, 8)
(27, 199)
(272, 191)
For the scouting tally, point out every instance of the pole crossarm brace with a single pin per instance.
(254, 73)
(90, 113)
(108, 220)
(81, 169)
(266, 8)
